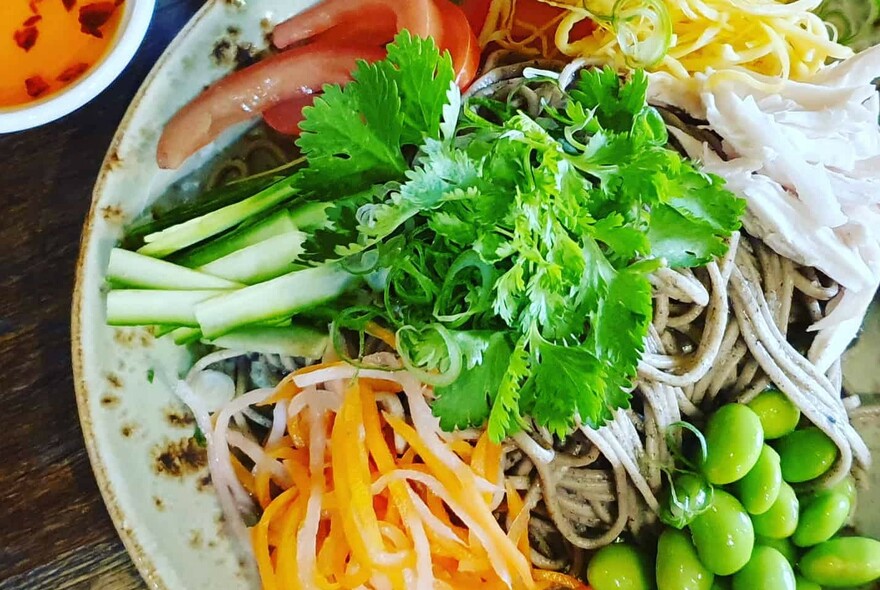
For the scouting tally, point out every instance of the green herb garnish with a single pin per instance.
(518, 253)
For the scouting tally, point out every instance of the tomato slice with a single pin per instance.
(461, 42)
(370, 30)
(476, 12)
(325, 43)
(456, 35)
(286, 116)
(420, 17)
(290, 75)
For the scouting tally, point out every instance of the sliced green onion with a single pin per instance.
(453, 310)
(354, 319)
(675, 449)
(643, 29)
(429, 364)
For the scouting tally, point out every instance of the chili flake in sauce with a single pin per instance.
(36, 86)
(46, 45)
(94, 16)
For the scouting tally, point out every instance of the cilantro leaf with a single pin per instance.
(623, 240)
(698, 216)
(423, 78)
(352, 134)
(683, 242)
(505, 416)
(453, 228)
(569, 384)
(356, 134)
(465, 403)
(616, 104)
(619, 326)
(696, 196)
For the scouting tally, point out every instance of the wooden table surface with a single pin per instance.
(54, 531)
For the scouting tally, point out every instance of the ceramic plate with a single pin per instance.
(152, 475)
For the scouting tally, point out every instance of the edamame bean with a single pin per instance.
(842, 562)
(767, 569)
(678, 566)
(759, 488)
(784, 546)
(777, 414)
(733, 439)
(619, 566)
(846, 486)
(723, 535)
(688, 496)
(804, 584)
(806, 454)
(782, 519)
(821, 519)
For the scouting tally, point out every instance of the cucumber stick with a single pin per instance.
(263, 261)
(214, 198)
(275, 225)
(299, 341)
(130, 269)
(139, 307)
(183, 235)
(272, 300)
(310, 216)
(160, 330)
(183, 336)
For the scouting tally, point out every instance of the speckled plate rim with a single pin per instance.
(142, 559)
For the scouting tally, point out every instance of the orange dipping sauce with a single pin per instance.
(46, 45)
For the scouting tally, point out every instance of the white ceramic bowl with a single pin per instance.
(132, 29)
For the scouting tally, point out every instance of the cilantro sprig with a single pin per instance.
(513, 252)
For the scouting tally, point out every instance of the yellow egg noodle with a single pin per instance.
(679, 36)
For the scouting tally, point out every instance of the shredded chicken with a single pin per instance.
(806, 157)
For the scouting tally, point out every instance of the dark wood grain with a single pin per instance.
(54, 531)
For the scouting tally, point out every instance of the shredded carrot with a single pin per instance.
(486, 462)
(557, 580)
(382, 385)
(260, 537)
(351, 478)
(382, 333)
(287, 388)
(297, 431)
(262, 488)
(388, 515)
(244, 476)
(515, 506)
